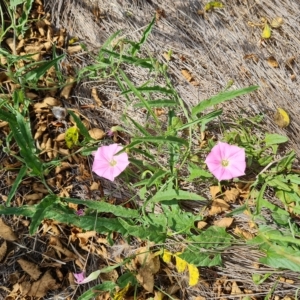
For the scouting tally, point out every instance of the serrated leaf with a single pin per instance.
(105, 207)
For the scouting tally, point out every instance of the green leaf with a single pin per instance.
(107, 286)
(203, 120)
(80, 125)
(157, 176)
(153, 233)
(139, 127)
(158, 103)
(105, 207)
(260, 197)
(138, 95)
(144, 63)
(222, 97)
(197, 172)
(145, 35)
(41, 211)
(35, 74)
(161, 140)
(274, 138)
(172, 194)
(202, 259)
(16, 183)
(151, 89)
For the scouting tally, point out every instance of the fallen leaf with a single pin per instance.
(281, 118)
(201, 224)
(218, 206)
(97, 133)
(277, 22)
(65, 93)
(6, 232)
(266, 33)
(187, 75)
(3, 250)
(224, 222)
(231, 195)
(214, 190)
(235, 290)
(30, 268)
(272, 62)
(95, 96)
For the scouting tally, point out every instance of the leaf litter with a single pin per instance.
(55, 251)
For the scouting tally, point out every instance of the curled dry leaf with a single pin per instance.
(231, 195)
(95, 96)
(74, 49)
(277, 22)
(282, 118)
(187, 75)
(218, 206)
(272, 62)
(97, 133)
(224, 222)
(30, 268)
(6, 232)
(3, 250)
(65, 93)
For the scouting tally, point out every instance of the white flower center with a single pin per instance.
(112, 162)
(225, 163)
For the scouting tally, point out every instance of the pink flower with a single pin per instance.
(226, 161)
(108, 165)
(80, 212)
(81, 279)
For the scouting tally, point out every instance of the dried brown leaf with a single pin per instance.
(30, 268)
(6, 232)
(218, 206)
(224, 222)
(3, 250)
(65, 93)
(97, 133)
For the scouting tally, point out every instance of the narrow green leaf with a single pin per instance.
(105, 207)
(40, 213)
(158, 103)
(138, 95)
(145, 35)
(260, 197)
(15, 185)
(205, 119)
(157, 176)
(36, 73)
(169, 195)
(139, 127)
(80, 126)
(161, 140)
(144, 63)
(222, 97)
(151, 89)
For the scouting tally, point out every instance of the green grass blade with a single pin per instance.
(141, 62)
(158, 103)
(205, 119)
(80, 125)
(36, 73)
(160, 140)
(15, 185)
(139, 127)
(222, 97)
(151, 89)
(145, 35)
(138, 95)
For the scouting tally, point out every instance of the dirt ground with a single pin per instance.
(215, 48)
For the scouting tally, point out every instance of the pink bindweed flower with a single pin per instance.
(80, 212)
(81, 279)
(108, 165)
(226, 161)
